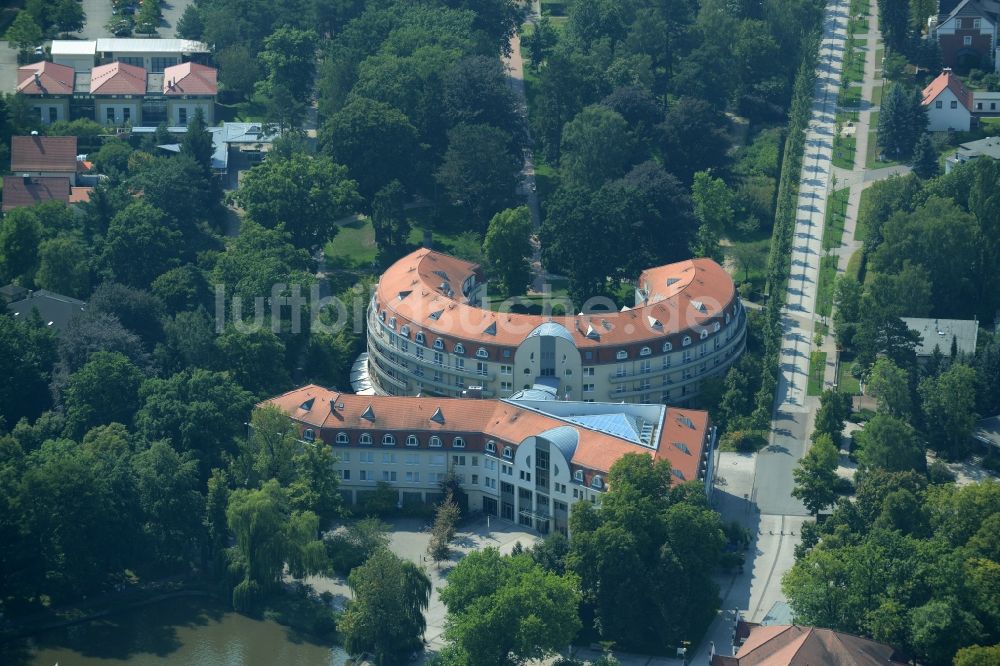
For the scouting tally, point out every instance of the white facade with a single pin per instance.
(947, 113)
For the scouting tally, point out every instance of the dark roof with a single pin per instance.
(55, 309)
(27, 191)
(973, 8)
(12, 292)
(43, 153)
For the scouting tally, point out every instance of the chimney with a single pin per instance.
(38, 79)
(27, 178)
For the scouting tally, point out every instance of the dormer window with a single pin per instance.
(459, 348)
(508, 452)
(309, 435)
(667, 347)
(405, 331)
(645, 351)
(411, 440)
(578, 476)
(342, 438)
(686, 341)
(388, 440)
(458, 443)
(597, 482)
(482, 353)
(728, 317)
(365, 439)
(715, 327)
(392, 322)
(420, 337)
(491, 446)
(434, 442)
(439, 344)
(703, 334)
(621, 355)
(381, 315)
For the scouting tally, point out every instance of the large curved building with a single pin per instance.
(428, 334)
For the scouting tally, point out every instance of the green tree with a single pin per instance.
(443, 531)
(713, 206)
(167, 487)
(315, 489)
(508, 610)
(270, 448)
(20, 234)
(68, 15)
(901, 121)
(892, 444)
(112, 158)
(64, 266)
(386, 587)
(239, 70)
(940, 627)
(890, 386)
(289, 58)
(894, 21)
(389, 222)
(197, 142)
(974, 655)
(139, 245)
(816, 475)
(596, 147)
(834, 408)
(104, 390)
(255, 359)
(948, 403)
(508, 248)
(478, 170)
(190, 24)
(305, 195)
(27, 354)
(925, 158)
(25, 34)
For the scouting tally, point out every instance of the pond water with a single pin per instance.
(187, 631)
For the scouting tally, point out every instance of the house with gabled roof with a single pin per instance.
(49, 87)
(948, 103)
(118, 90)
(188, 87)
(794, 645)
(44, 156)
(966, 32)
(19, 191)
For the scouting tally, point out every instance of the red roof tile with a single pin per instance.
(45, 78)
(680, 440)
(80, 194)
(43, 153)
(947, 79)
(190, 78)
(118, 78)
(19, 191)
(792, 645)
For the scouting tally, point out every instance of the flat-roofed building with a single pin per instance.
(524, 459)
(941, 334)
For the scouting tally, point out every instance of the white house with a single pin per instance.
(949, 104)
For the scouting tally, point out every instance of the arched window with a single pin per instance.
(482, 353)
(458, 443)
(309, 435)
(645, 351)
(459, 348)
(439, 344)
(342, 438)
(365, 438)
(508, 452)
(578, 475)
(703, 334)
(667, 347)
(405, 330)
(715, 327)
(686, 341)
(420, 337)
(388, 440)
(381, 315)
(621, 355)
(491, 446)
(597, 481)
(392, 322)
(435, 441)
(411, 440)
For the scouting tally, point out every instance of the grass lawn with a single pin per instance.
(871, 159)
(353, 247)
(854, 67)
(817, 367)
(844, 148)
(876, 97)
(855, 264)
(859, 8)
(990, 125)
(748, 261)
(849, 97)
(860, 228)
(836, 212)
(824, 291)
(847, 383)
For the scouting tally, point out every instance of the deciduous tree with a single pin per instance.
(508, 249)
(816, 475)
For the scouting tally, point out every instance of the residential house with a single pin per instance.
(973, 150)
(948, 103)
(118, 90)
(26, 190)
(967, 33)
(189, 87)
(49, 87)
(44, 156)
(526, 458)
(55, 310)
(793, 645)
(941, 334)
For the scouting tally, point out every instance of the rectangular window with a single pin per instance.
(976, 23)
(588, 372)
(182, 116)
(475, 479)
(53, 114)
(388, 476)
(481, 368)
(954, 104)
(437, 459)
(159, 64)
(506, 370)
(344, 474)
(506, 386)
(644, 366)
(475, 461)
(438, 377)
(438, 358)
(413, 477)
(365, 475)
(967, 40)
(939, 104)
(404, 345)
(420, 352)
(344, 456)
(367, 456)
(126, 114)
(620, 372)
(993, 106)
(388, 458)
(490, 464)
(458, 460)
(506, 487)
(979, 106)
(588, 388)
(110, 114)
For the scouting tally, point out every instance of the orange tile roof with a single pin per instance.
(43, 153)
(18, 191)
(190, 78)
(499, 419)
(699, 290)
(80, 194)
(118, 78)
(52, 79)
(947, 79)
(793, 645)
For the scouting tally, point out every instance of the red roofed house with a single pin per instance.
(118, 90)
(792, 645)
(27, 191)
(966, 31)
(948, 103)
(526, 458)
(190, 86)
(49, 87)
(44, 156)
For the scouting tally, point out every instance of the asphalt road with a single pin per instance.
(98, 12)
